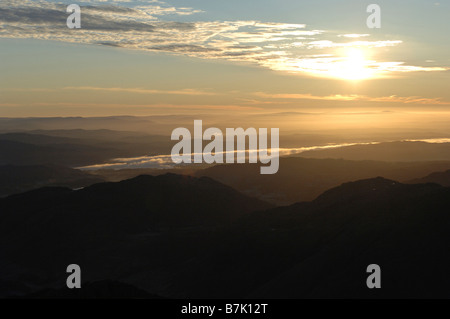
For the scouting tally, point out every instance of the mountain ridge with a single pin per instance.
(316, 249)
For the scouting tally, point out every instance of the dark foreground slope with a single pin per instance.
(17, 179)
(178, 236)
(105, 289)
(402, 228)
(107, 227)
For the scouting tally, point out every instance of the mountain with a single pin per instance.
(77, 147)
(388, 151)
(111, 229)
(37, 139)
(149, 202)
(402, 228)
(441, 178)
(19, 153)
(18, 179)
(179, 236)
(63, 123)
(129, 143)
(184, 237)
(303, 179)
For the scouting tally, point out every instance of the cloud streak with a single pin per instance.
(194, 92)
(354, 97)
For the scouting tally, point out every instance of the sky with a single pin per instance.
(229, 58)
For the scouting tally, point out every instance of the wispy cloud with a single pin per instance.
(323, 44)
(113, 89)
(354, 97)
(140, 90)
(353, 35)
(109, 106)
(139, 25)
(165, 161)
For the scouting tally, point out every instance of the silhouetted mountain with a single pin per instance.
(18, 179)
(88, 135)
(77, 147)
(303, 179)
(402, 228)
(179, 236)
(37, 139)
(105, 289)
(441, 178)
(129, 143)
(44, 229)
(149, 202)
(12, 152)
(76, 122)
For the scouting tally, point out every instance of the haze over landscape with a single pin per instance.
(87, 176)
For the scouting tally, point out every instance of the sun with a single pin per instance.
(353, 66)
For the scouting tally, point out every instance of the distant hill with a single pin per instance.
(77, 147)
(303, 179)
(390, 151)
(37, 139)
(298, 179)
(18, 179)
(12, 152)
(129, 143)
(92, 135)
(441, 178)
(123, 123)
(184, 237)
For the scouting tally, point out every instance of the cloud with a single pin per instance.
(122, 107)
(140, 25)
(353, 35)
(354, 97)
(331, 66)
(195, 92)
(165, 161)
(322, 44)
(141, 90)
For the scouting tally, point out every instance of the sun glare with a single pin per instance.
(353, 66)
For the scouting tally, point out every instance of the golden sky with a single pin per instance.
(233, 57)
